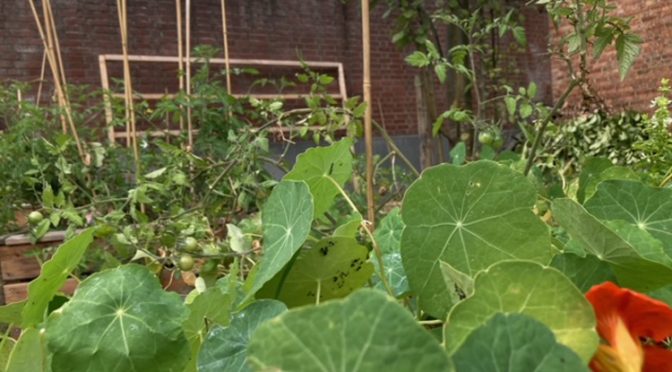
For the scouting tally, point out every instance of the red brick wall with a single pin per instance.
(321, 30)
(651, 21)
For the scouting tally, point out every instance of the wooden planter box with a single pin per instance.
(18, 268)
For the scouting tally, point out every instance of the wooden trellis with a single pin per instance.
(105, 82)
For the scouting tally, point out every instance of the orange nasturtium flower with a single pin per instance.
(633, 327)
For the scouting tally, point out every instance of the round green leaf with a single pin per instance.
(286, 219)
(319, 167)
(388, 232)
(119, 320)
(334, 268)
(225, 348)
(396, 276)
(367, 331)
(469, 217)
(584, 272)
(515, 343)
(528, 288)
(648, 208)
(636, 258)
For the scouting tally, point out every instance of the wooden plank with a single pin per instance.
(19, 291)
(20, 268)
(287, 96)
(23, 239)
(222, 61)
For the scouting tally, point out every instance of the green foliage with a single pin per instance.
(527, 288)
(468, 217)
(325, 170)
(119, 320)
(225, 348)
(355, 334)
(287, 217)
(54, 274)
(332, 268)
(515, 342)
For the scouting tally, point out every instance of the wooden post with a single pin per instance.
(180, 56)
(424, 127)
(368, 131)
(225, 35)
(190, 135)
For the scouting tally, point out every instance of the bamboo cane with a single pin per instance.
(128, 87)
(368, 131)
(190, 135)
(47, 32)
(38, 97)
(57, 45)
(180, 50)
(225, 38)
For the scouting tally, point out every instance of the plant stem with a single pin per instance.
(319, 290)
(393, 146)
(667, 179)
(365, 225)
(537, 139)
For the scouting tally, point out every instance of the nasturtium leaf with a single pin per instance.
(648, 208)
(394, 270)
(612, 173)
(6, 346)
(515, 343)
(28, 353)
(212, 307)
(367, 331)
(663, 294)
(388, 232)
(320, 167)
(469, 217)
(591, 169)
(334, 267)
(462, 283)
(350, 228)
(531, 289)
(119, 320)
(52, 277)
(637, 266)
(584, 272)
(225, 348)
(458, 154)
(11, 313)
(286, 219)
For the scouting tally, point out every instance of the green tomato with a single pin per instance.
(209, 267)
(497, 142)
(35, 217)
(485, 138)
(190, 244)
(186, 262)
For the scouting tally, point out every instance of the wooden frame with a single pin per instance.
(105, 82)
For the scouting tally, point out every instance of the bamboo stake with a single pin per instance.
(190, 135)
(368, 132)
(128, 87)
(57, 44)
(180, 50)
(225, 38)
(49, 50)
(41, 83)
(63, 102)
